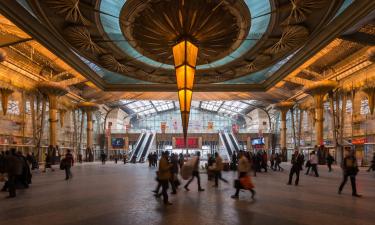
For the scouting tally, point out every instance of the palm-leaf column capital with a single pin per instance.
(185, 58)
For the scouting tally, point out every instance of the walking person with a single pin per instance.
(278, 162)
(243, 170)
(103, 157)
(372, 166)
(68, 163)
(297, 162)
(13, 167)
(272, 160)
(330, 161)
(164, 175)
(218, 168)
(314, 163)
(48, 163)
(195, 173)
(350, 170)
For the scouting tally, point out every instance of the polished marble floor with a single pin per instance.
(115, 194)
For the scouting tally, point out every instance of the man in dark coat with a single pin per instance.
(297, 162)
(13, 167)
(350, 169)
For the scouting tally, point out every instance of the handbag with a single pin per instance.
(63, 164)
(246, 183)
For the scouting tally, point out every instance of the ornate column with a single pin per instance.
(318, 90)
(283, 107)
(53, 91)
(5, 93)
(88, 108)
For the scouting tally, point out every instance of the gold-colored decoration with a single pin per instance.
(62, 116)
(369, 89)
(259, 62)
(89, 108)
(301, 9)
(5, 93)
(185, 58)
(109, 62)
(292, 37)
(80, 38)
(3, 55)
(371, 54)
(70, 9)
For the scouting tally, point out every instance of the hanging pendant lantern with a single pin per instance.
(185, 58)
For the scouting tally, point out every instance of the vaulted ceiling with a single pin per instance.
(249, 49)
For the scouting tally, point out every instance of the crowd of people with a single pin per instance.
(244, 162)
(17, 167)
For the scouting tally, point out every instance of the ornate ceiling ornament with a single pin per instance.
(5, 93)
(301, 9)
(153, 27)
(134, 38)
(3, 55)
(80, 38)
(109, 62)
(70, 9)
(292, 37)
(371, 54)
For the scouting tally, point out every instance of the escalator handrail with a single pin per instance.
(142, 147)
(226, 145)
(137, 147)
(147, 146)
(234, 143)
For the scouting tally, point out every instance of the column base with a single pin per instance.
(284, 154)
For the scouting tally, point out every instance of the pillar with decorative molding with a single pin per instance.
(89, 108)
(53, 91)
(318, 90)
(283, 107)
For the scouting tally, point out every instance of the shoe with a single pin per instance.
(339, 192)
(168, 203)
(157, 195)
(155, 191)
(356, 195)
(234, 196)
(288, 183)
(215, 186)
(11, 196)
(186, 188)
(173, 192)
(296, 184)
(252, 194)
(200, 189)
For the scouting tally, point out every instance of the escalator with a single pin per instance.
(146, 148)
(226, 144)
(135, 152)
(234, 142)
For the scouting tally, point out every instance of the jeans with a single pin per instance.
(12, 185)
(68, 173)
(217, 177)
(195, 174)
(352, 181)
(164, 188)
(294, 170)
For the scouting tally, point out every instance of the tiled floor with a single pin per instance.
(121, 194)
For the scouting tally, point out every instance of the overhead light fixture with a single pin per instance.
(185, 58)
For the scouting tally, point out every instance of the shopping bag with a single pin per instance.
(246, 183)
(186, 171)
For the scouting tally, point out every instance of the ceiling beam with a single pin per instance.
(298, 80)
(360, 37)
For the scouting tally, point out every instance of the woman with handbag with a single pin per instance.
(244, 180)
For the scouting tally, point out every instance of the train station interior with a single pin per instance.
(116, 89)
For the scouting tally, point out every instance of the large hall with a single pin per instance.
(187, 112)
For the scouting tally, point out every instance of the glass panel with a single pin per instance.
(179, 54)
(185, 95)
(192, 52)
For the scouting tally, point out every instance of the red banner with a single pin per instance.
(192, 142)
